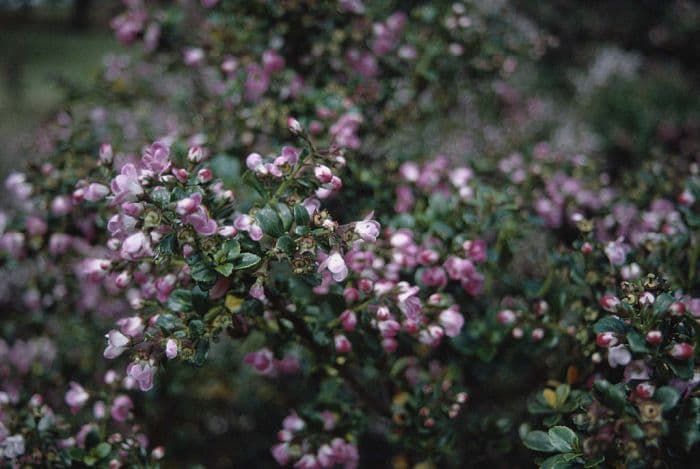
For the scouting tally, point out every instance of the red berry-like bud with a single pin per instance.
(677, 308)
(609, 303)
(654, 337)
(645, 390)
(606, 339)
(682, 351)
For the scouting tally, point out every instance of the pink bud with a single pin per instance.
(677, 308)
(294, 126)
(323, 174)
(342, 344)
(204, 175)
(682, 351)
(645, 390)
(654, 337)
(349, 320)
(538, 334)
(506, 317)
(609, 303)
(195, 154)
(606, 339)
(383, 313)
(106, 153)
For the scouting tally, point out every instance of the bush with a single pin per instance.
(369, 227)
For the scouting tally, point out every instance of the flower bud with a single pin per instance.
(677, 308)
(609, 303)
(654, 337)
(195, 154)
(606, 339)
(294, 126)
(682, 351)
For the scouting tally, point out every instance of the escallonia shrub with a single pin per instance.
(229, 257)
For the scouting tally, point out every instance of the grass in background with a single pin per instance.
(32, 58)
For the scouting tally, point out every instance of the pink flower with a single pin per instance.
(281, 453)
(116, 344)
(368, 230)
(452, 321)
(246, 223)
(96, 192)
(193, 56)
(262, 360)
(142, 373)
(336, 266)
(434, 277)
(61, 206)
(616, 252)
(308, 461)
(293, 422)
(619, 355)
(272, 61)
(136, 247)
(126, 186)
(132, 326)
(76, 397)
(257, 291)
(121, 407)
(476, 250)
(171, 349)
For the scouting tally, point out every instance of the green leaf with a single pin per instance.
(637, 342)
(667, 396)
(160, 196)
(301, 215)
(200, 271)
(102, 450)
(225, 269)
(196, 329)
(269, 221)
(201, 353)
(252, 181)
(285, 244)
(684, 370)
(167, 245)
(200, 300)
(563, 438)
(247, 260)
(556, 462)
(285, 215)
(594, 462)
(179, 300)
(610, 396)
(539, 441)
(562, 393)
(610, 324)
(662, 303)
(230, 250)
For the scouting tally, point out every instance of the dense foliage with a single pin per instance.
(359, 234)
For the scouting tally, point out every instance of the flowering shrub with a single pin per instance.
(229, 237)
